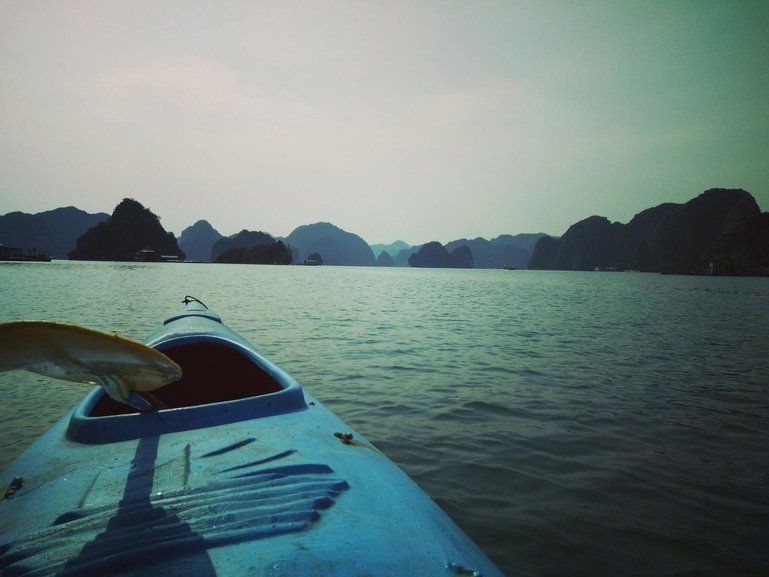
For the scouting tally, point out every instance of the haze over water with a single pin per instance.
(572, 423)
(419, 121)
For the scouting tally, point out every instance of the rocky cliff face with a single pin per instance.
(335, 246)
(461, 257)
(671, 238)
(131, 228)
(435, 255)
(384, 259)
(403, 256)
(392, 249)
(273, 253)
(504, 250)
(684, 238)
(243, 239)
(744, 248)
(54, 231)
(589, 243)
(197, 241)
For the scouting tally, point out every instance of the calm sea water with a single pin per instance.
(572, 423)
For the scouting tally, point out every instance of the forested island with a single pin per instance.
(273, 253)
(131, 233)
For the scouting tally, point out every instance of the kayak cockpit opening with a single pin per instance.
(213, 371)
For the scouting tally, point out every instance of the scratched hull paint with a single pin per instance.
(259, 484)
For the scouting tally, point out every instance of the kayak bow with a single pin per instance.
(244, 473)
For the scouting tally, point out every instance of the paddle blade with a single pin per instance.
(83, 355)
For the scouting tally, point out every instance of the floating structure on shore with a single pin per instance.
(13, 253)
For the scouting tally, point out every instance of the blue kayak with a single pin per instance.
(240, 472)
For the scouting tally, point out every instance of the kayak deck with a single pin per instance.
(262, 483)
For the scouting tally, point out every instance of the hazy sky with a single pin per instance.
(417, 120)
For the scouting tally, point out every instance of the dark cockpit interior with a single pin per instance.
(211, 372)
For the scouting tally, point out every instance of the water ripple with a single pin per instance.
(572, 423)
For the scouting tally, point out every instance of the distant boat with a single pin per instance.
(509, 267)
(12, 253)
(149, 255)
(146, 255)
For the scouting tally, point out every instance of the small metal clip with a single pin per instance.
(13, 487)
(346, 438)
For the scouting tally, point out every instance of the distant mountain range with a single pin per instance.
(58, 232)
(198, 240)
(203, 243)
(243, 239)
(54, 231)
(334, 245)
(722, 230)
(392, 249)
